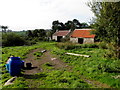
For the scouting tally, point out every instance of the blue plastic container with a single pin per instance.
(15, 66)
(22, 64)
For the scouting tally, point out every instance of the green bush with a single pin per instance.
(87, 46)
(69, 46)
(65, 39)
(102, 45)
(113, 51)
(66, 45)
(12, 39)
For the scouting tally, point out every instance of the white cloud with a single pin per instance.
(31, 14)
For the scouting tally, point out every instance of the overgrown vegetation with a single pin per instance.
(12, 39)
(103, 65)
(18, 51)
(69, 45)
(106, 24)
(97, 67)
(30, 37)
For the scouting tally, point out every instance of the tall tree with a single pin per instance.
(41, 33)
(35, 33)
(56, 25)
(76, 24)
(107, 23)
(4, 28)
(84, 25)
(68, 24)
(29, 33)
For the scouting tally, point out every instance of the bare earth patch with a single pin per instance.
(47, 57)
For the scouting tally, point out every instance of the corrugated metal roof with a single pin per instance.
(83, 33)
(61, 33)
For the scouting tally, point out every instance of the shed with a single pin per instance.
(82, 36)
(58, 35)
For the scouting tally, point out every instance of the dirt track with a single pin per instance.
(46, 57)
(57, 64)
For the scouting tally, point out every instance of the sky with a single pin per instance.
(39, 14)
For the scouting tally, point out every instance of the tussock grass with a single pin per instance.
(96, 67)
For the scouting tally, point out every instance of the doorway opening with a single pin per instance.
(80, 40)
(59, 38)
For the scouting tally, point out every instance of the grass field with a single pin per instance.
(96, 67)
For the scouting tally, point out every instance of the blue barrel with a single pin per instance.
(15, 66)
(22, 64)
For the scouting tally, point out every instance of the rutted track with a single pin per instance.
(57, 64)
(46, 57)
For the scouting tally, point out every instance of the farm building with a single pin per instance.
(82, 36)
(58, 35)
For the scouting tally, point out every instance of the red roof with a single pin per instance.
(61, 33)
(84, 33)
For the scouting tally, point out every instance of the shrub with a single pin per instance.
(102, 45)
(30, 42)
(65, 39)
(113, 51)
(12, 39)
(66, 45)
(88, 45)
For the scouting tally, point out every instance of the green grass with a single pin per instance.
(48, 66)
(18, 51)
(96, 67)
(59, 79)
(38, 54)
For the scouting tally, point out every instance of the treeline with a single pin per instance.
(36, 35)
(69, 25)
(29, 37)
(12, 39)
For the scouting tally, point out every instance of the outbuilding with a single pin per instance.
(58, 35)
(82, 36)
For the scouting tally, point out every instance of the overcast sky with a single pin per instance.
(37, 14)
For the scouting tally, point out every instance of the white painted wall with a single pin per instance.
(63, 36)
(88, 40)
(54, 38)
(85, 40)
(74, 40)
